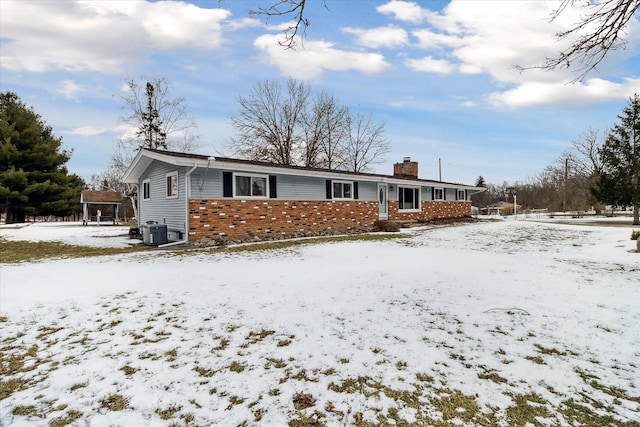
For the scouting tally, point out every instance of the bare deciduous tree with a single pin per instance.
(600, 30)
(291, 127)
(286, 8)
(270, 122)
(326, 124)
(366, 143)
(157, 120)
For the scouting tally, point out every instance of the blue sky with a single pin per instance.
(439, 73)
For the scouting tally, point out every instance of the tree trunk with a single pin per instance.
(134, 206)
(15, 215)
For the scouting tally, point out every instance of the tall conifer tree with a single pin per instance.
(33, 176)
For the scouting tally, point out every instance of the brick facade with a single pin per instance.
(215, 221)
(431, 210)
(219, 220)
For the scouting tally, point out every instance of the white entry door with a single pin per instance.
(383, 205)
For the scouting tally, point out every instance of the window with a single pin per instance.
(438, 194)
(146, 189)
(342, 190)
(408, 198)
(172, 185)
(461, 195)
(250, 186)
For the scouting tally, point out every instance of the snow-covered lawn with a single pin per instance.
(494, 323)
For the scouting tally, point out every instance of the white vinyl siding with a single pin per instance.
(158, 207)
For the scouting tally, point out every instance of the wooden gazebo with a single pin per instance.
(92, 197)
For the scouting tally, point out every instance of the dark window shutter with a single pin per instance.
(273, 190)
(433, 193)
(416, 198)
(227, 184)
(355, 190)
(444, 194)
(457, 194)
(466, 194)
(401, 197)
(329, 189)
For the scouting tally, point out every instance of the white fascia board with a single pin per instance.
(144, 158)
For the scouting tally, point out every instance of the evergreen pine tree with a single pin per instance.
(33, 176)
(618, 180)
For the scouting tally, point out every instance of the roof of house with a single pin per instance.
(100, 197)
(146, 155)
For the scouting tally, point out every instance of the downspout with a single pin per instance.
(187, 194)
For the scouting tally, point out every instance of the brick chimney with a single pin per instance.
(407, 168)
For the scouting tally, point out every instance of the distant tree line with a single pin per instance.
(599, 169)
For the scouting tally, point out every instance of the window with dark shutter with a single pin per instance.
(329, 189)
(273, 187)
(355, 190)
(227, 184)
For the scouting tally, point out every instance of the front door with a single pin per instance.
(383, 205)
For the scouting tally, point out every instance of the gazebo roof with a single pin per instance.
(101, 197)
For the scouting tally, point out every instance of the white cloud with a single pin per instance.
(102, 36)
(405, 11)
(86, 131)
(430, 65)
(494, 37)
(380, 37)
(240, 24)
(594, 90)
(316, 57)
(70, 89)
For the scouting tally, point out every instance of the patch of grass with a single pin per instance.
(237, 367)
(362, 385)
(549, 351)
(208, 373)
(276, 363)
(72, 415)
(26, 411)
(77, 386)
(171, 355)
(303, 401)
(256, 337)
(288, 244)
(168, 413)
(115, 402)
(224, 343)
(527, 409)
(536, 359)
(23, 251)
(454, 404)
(128, 370)
(492, 376)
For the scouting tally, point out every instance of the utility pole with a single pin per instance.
(564, 192)
(439, 169)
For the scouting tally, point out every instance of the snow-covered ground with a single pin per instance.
(494, 323)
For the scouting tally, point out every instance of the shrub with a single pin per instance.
(635, 234)
(388, 226)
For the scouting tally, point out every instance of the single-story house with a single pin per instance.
(209, 200)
